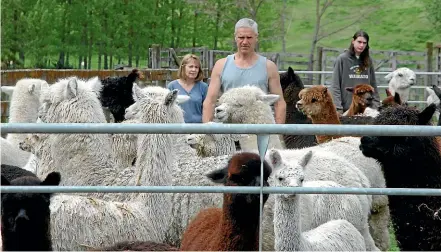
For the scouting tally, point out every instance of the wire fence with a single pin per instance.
(261, 131)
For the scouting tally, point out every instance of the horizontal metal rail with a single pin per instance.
(330, 72)
(177, 128)
(221, 189)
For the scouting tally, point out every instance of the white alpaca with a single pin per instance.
(400, 81)
(12, 155)
(317, 209)
(348, 149)
(248, 105)
(291, 211)
(145, 216)
(24, 105)
(214, 144)
(433, 98)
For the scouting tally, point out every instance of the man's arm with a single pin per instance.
(275, 88)
(213, 91)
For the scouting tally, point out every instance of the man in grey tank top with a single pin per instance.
(245, 67)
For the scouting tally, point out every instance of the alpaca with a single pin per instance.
(124, 147)
(332, 235)
(318, 209)
(116, 93)
(291, 86)
(401, 80)
(390, 100)
(13, 155)
(248, 105)
(410, 162)
(213, 144)
(137, 246)
(25, 224)
(101, 222)
(11, 172)
(435, 97)
(316, 102)
(24, 104)
(362, 98)
(235, 226)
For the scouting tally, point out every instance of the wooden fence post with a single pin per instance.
(429, 60)
(156, 56)
(319, 64)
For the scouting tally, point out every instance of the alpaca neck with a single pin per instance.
(287, 223)
(239, 225)
(328, 115)
(154, 167)
(29, 238)
(355, 108)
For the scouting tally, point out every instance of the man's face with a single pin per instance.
(246, 39)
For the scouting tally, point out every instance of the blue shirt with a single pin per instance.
(193, 107)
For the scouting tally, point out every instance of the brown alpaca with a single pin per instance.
(316, 102)
(235, 226)
(362, 97)
(390, 100)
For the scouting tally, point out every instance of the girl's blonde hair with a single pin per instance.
(185, 61)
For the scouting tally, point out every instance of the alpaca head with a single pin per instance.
(160, 106)
(384, 148)
(26, 216)
(72, 100)
(238, 105)
(289, 78)
(314, 100)
(287, 174)
(243, 169)
(434, 95)
(402, 78)
(390, 100)
(213, 144)
(30, 142)
(362, 94)
(34, 87)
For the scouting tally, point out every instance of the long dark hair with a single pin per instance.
(364, 56)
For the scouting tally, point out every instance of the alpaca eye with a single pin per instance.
(280, 178)
(401, 75)
(313, 100)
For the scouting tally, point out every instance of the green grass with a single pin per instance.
(397, 25)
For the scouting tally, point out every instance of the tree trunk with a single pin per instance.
(194, 27)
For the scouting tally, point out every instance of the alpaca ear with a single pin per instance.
(5, 181)
(305, 159)
(136, 92)
(31, 88)
(425, 116)
(388, 92)
(397, 98)
(268, 98)
(325, 89)
(291, 73)
(95, 84)
(52, 179)
(182, 98)
(71, 88)
(389, 76)
(219, 176)
(437, 90)
(275, 157)
(170, 98)
(350, 89)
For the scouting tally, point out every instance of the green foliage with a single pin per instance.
(61, 33)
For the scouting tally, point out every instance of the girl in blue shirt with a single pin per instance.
(190, 83)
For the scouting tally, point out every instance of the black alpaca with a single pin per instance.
(26, 216)
(116, 93)
(410, 162)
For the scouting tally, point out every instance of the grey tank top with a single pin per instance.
(233, 76)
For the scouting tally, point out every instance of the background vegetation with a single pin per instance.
(102, 33)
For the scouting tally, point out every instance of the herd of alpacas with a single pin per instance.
(214, 221)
